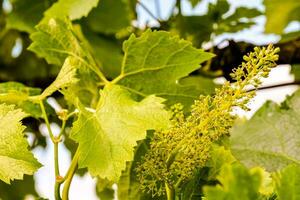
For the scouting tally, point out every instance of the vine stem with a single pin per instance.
(57, 175)
(170, 192)
(46, 120)
(55, 141)
(69, 176)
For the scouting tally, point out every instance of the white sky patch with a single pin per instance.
(17, 49)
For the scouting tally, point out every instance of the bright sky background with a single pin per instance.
(83, 188)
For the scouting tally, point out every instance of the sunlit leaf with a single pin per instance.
(15, 158)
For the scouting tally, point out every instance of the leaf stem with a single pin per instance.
(72, 113)
(62, 128)
(69, 176)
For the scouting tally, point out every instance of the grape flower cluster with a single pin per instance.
(176, 153)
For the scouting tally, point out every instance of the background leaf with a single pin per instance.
(287, 183)
(110, 16)
(289, 11)
(26, 14)
(236, 183)
(18, 189)
(271, 137)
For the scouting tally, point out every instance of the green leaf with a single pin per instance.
(241, 19)
(155, 62)
(217, 20)
(58, 39)
(55, 40)
(107, 52)
(18, 94)
(218, 9)
(290, 36)
(129, 185)
(289, 10)
(26, 14)
(65, 78)
(15, 158)
(74, 9)
(242, 12)
(236, 182)
(271, 137)
(104, 189)
(195, 2)
(107, 136)
(18, 189)
(110, 16)
(287, 183)
(219, 157)
(296, 71)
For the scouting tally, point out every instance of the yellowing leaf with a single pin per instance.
(108, 136)
(15, 158)
(65, 78)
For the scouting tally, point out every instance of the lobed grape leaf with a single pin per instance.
(155, 62)
(146, 69)
(271, 137)
(107, 137)
(57, 40)
(15, 158)
(74, 9)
